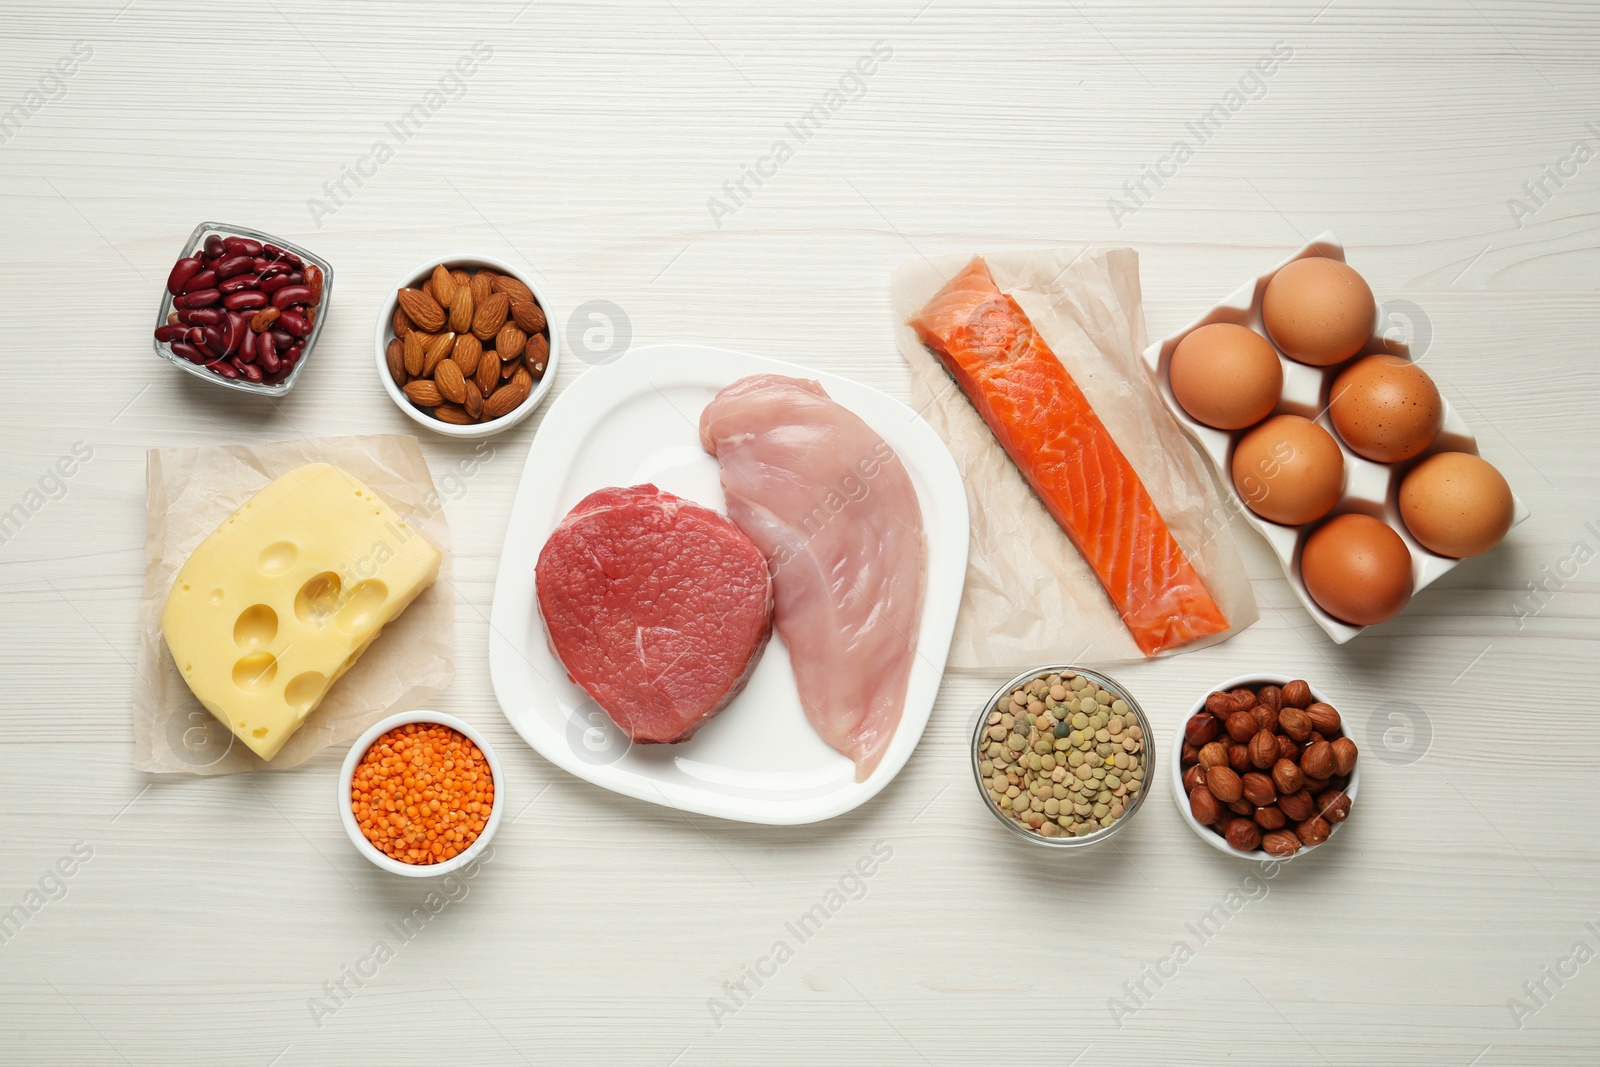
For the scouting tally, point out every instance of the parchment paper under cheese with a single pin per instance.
(191, 491)
(1030, 597)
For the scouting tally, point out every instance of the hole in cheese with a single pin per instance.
(255, 671)
(362, 604)
(304, 690)
(277, 557)
(257, 625)
(318, 598)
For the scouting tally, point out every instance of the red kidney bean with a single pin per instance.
(290, 295)
(171, 332)
(182, 271)
(272, 284)
(195, 335)
(314, 280)
(294, 322)
(269, 357)
(249, 370)
(239, 282)
(237, 327)
(232, 265)
(246, 245)
(297, 277)
(292, 356)
(206, 279)
(281, 337)
(247, 346)
(274, 252)
(200, 316)
(223, 369)
(214, 246)
(203, 298)
(248, 300)
(188, 351)
(265, 266)
(216, 339)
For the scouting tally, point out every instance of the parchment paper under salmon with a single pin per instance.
(1045, 424)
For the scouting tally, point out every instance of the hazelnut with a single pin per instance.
(1264, 749)
(1270, 818)
(1314, 831)
(1266, 718)
(1214, 754)
(1296, 694)
(1201, 729)
(1295, 723)
(1188, 753)
(1270, 696)
(1280, 843)
(1287, 777)
(1239, 757)
(1220, 705)
(1317, 785)
(1242, 807)
(1324, 719)
(1287, 749)
(1242, 726)
(1224, 784)
(1344, 755)
(1205, 808)
(1333, 806)
(1243, 835)
(1296, 806)
(1258, 789)
(1317, 761)
(1243, 699)
(1192, 777)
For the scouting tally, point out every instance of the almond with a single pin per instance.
(424, 394)
(489, 317)
(395, 355)
(461, 310)
(537, 354)
(422, 309)
(528, 315)
(468, 349)
(427, 288)
(444, 285)
(509, 341)
(504, 401)
(452, 413)
(435, 349)
(508, 368)
(413, 352)
(512, 288)
(452, 386)
(472, 399)
(402, 322)
(487, 375)
(481, 285)
(461, 278)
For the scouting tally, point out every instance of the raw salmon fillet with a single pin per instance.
(1045, 424)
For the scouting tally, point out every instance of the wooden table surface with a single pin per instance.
(1454, 921)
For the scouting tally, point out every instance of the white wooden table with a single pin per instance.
(204, 918)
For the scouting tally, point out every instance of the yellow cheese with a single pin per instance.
(284, 597)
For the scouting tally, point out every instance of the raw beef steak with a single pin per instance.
(658, 608)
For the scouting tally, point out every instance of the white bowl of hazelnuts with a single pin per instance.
(1264, 769)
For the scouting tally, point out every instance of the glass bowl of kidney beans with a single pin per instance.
(243, 309)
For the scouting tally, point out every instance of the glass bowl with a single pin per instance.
(980, 725)
(241, 385)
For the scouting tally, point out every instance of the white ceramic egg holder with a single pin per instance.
(1370, 488)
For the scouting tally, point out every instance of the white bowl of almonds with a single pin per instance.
(1062, 756)
(467, 345)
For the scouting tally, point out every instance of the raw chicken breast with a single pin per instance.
(830, 504)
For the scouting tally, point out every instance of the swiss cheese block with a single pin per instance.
(284, 596)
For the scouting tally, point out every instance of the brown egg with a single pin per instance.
(1226, 376)
(1357, 569)
(1386, 408)
(1319, 311)
(1456, 504)
(1288, 470)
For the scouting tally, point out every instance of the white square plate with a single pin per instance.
(760, 760)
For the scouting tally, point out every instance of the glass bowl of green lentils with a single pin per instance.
(1062, 756)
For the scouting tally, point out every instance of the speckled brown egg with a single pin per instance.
(1226, 376)
(1319, 311)
(1288, 470)
(1357, 569)
(1386, 408)
(1456, 504)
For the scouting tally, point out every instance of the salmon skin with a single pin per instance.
(1045, 424)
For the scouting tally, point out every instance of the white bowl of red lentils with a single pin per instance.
(420, 794)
